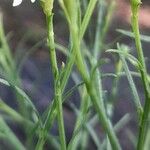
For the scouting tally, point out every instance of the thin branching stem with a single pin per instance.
(57, 90)
(92, 93)
(135, 5)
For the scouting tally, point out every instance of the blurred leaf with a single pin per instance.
(11, 112)
(131, 137)
(68, 93)
(26, 55)
(24, 96)
(62, 49)
(118, 126)
(144, 38)
(122, 122)
(131, 83)
(88, 126)
(10, 136)
(98, 64)
(134, 61)
(87, 16)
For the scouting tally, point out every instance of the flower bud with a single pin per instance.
(47, 6)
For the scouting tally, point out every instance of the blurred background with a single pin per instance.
(26, 30)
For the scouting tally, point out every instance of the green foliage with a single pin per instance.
(96, 107)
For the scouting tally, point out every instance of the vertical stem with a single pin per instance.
(103, 118)
(52, 113)
(135, 5)
(58, 93)
(60, 118)
(57, 90)
(97, 42)
(56, 82)
(92, 92)
(87, 17)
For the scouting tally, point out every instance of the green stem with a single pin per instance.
(57, 90)
(137, 102)
(60, 117)
(103, 118)
(97, 48)
(87, 17)
(82, 116)
(52, 113)
(58, 93)
(91, 91)
(53, 109)
(135, 5)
